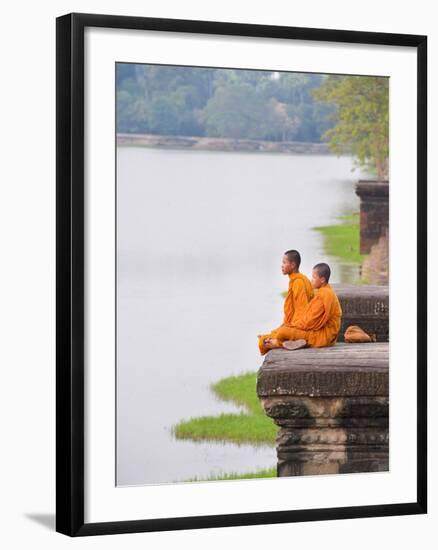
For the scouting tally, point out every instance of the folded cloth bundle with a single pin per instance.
(355, 335)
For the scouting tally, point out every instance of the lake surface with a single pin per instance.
(200, 238)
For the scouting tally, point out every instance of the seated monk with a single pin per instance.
(318, 326)
(299, 294)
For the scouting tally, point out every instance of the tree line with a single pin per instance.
(246, 104)
(349, 112)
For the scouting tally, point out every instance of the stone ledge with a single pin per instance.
(375, 189)
(338, 371)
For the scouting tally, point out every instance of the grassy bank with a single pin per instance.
(249, 426)
(343, 239)
(269, 472)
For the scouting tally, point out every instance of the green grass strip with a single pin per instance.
(269, 472)
(251, 426)
(343, 239)
(240, 390)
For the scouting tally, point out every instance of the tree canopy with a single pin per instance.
(350, 112)
(361, 119)
(196, 101)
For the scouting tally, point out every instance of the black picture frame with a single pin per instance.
(70, 272)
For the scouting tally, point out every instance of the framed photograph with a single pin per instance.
(241, 274)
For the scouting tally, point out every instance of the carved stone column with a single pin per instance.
(331, 405)
(374, 212)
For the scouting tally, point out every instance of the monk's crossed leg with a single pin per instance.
(290, 333)
(280, 335)
(262, 346)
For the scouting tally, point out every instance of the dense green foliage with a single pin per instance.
(228, 103)
(361, 120)
(251, 426)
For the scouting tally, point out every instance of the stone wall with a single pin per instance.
(375, 268)
(222, 144)
(366, 306)
(374, 212)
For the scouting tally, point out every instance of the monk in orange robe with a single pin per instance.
(299, 294)
(318, 326)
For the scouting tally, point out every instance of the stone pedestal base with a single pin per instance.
(330, 435)
(331, 405)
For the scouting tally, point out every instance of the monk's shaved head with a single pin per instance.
(294, 257)
(323, 270)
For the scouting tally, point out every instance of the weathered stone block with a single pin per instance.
(331, 405)
(366, 306)
(374, 212)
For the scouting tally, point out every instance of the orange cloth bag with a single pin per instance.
(355, 335)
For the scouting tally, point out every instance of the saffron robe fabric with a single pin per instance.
(299, 294)
(319, 324)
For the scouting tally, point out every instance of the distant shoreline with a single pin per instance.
(222, 144)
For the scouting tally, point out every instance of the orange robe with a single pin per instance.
(299, 293)
(320, 322)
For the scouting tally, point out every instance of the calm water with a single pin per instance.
(200, 238)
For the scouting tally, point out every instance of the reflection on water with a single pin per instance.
(347, 273)
(200, 237)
